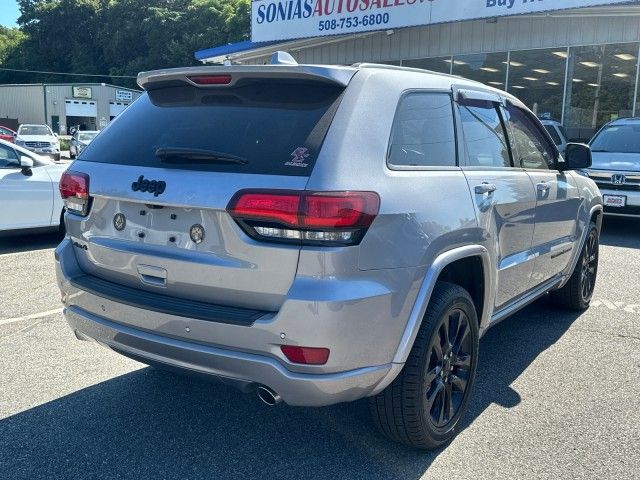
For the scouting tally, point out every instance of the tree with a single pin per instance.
(118, 37)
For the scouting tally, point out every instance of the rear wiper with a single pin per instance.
(172, 154)
(601, 151)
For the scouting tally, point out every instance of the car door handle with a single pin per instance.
(485, 187)
(543, 187)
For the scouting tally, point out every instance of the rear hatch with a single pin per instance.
(163, 173)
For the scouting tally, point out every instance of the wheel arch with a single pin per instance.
(595, 214)
(450, 266)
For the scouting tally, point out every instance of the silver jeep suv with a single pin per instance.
(321, 234)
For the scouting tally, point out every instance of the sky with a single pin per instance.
(9, 13)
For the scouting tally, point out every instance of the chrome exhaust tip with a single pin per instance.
(268, 396)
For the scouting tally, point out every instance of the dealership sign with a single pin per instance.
(124, 96)
(273, 20)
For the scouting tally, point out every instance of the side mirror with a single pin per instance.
(26, 164)
(577, 156)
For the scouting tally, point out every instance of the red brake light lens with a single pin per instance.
(340, 210)
(281, 208)
(305, 355)
(327, 218)
(74, 189)
(211, 79)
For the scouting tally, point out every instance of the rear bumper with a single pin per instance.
(244, 370)
(248, 356)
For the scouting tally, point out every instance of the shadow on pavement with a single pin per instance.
(620, 232)
(29, 242)
(151, 424)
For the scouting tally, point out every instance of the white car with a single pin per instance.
(39, 139)
(558, 134)
(80, 140)
(29, 195)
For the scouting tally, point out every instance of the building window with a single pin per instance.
(436, 64)
(488, 68)
(536, 77)
(601, 84)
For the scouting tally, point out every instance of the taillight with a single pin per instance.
(211, 79)
(305, 355)
(316, 218)
(74, 189)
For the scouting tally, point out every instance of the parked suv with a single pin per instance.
(616, 166)
(39, 139)
(558, 134)
(321, 234)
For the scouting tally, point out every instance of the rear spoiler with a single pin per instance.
(228, 76)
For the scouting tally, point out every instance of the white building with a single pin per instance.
(63, 105)
(577, 66)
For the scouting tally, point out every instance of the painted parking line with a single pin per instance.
(616, 306)
(33, 316)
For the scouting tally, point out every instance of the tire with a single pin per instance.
(72, 155)
(62, 229)
(56, 157)
(578, 291)
(410, 410)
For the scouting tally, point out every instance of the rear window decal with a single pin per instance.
(299, 155)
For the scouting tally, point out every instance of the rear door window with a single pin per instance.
(267, 127)
(484, 134)
(423, 132)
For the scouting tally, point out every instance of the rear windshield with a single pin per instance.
(263, 127)
(86, 137)
(618, 139)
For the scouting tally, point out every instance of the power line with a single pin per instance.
(69, 74)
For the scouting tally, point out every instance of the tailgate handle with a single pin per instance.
(151, 275)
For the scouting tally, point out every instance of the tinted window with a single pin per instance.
(423, 133)
(8, 157)
(484, 134)
(554, 134)
(530, 147)
(618, 138)
(263, 128)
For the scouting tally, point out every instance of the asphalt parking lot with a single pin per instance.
(558, 395)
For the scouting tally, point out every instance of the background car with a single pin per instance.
(80, 140)
(558, 134)
(7, 134)
(616, 166)
(29, 190)
(39, 139)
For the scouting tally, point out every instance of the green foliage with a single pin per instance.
(119, 37)
(11, 40)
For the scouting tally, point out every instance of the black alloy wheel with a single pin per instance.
(449, 367)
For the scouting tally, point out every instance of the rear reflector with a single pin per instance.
(305, 355)
(74, 189)
(303, 216)
(211, 79)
